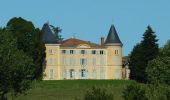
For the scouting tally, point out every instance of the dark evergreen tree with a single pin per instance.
(134, 61)
(146, 51)
(57, 31)
(29, 40)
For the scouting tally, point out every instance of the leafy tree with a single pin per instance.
(57, 31)
(165, 51)
(29, 41)
(98, 94)
(16, 68)
(144, 52)
(159, 70)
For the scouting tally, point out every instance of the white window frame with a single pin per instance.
(50, 51)
(93, 52)
(83, 61)
(63, 51)
(83, 52)
(51, 74)
(50, 61)
(71, 51)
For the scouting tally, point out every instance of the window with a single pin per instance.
(71, 61)
(83, 73)
(102, 73)
(93, 51)
(83, 61)
(102, 61)
(64, 61)
(101, 52)
(63, 51)
(71, 51)
(116, 52)
(50, 61)
(71, 73)
(116, 73)
(51, 74)
(64, 74)
(116, 60)
(51, 51)
(94, 74)
(82, 51)
(94, 61)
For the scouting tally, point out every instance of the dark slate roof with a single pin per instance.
(113, 37)
(48, 36)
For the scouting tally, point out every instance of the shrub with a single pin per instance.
(146, 92)
(98, 94)
(135, 92)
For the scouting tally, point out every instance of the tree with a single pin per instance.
(140, 91)
(165, 50)
(57, 31)
(159, 70)
(29, 41)
(98, 94)
(134, 61)
(16, 68)
(145, 51)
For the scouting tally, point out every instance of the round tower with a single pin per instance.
(114, 54)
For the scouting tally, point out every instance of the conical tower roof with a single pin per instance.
(47, 35)
(113, 37)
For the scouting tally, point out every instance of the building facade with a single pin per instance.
(77, 59)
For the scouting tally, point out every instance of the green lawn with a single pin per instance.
(69, 89)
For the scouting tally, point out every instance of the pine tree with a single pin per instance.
(146, 51)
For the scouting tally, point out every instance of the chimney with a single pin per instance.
(102, 41)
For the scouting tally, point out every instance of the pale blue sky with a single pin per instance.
(91, 19)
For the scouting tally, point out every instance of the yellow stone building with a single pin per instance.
(77, 59)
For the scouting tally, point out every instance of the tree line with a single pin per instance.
(150, 68)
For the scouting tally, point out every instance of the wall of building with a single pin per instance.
(114, 61)
(65, 65)
(94, 63)
(51, 68)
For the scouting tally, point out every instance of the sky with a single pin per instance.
(91, 19)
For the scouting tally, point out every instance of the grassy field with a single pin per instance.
(69, 89)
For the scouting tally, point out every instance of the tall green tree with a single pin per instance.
(16, 68)
(146, 51)
(29, 41)
(159, 69)
(57, 31)
(165, 50)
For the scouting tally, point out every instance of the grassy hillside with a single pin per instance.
(69, 89)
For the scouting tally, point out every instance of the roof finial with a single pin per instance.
(112, 21)
(47, 22)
